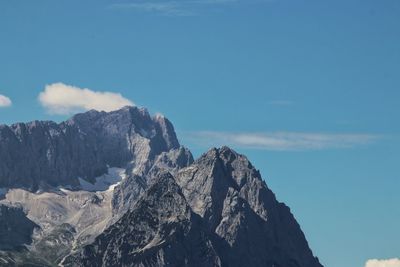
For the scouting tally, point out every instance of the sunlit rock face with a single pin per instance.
(117, 189)
(250, 227)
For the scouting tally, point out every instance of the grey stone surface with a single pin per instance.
(39, 153)
(241, 220)
(161, 230)
(252, 227)
(15, 228)
(135, 185)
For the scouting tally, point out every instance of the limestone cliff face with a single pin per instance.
(251, 226)
(38, 154)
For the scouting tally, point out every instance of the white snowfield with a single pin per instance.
(88, 210)
(105, 182)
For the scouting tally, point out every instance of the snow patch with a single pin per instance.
(105, 182)
(64, 190)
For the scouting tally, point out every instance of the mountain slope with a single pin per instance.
(252, 227)
(161, 230)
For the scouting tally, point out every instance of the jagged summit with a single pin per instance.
(252, 227)
(222, 197)
(44, 152)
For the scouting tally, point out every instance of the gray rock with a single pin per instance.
(161, 230)
(223, 195)
(252, 227)
(126, 195)
(15, 228)
(37, 154)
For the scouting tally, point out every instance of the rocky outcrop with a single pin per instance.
(161, 230)
(37, 154)
(15, 228)
(126, 195)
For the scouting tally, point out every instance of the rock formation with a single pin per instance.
(117, 189)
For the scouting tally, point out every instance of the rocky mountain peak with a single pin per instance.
(164, 184)
(224, 188)
(42, 152)
(237, 167)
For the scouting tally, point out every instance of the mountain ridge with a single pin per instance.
(81, 146)
(228, 212)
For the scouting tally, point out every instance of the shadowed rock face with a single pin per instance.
(15, 228)
(39, 153)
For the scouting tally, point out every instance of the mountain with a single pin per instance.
(117, 189)
(42, 153)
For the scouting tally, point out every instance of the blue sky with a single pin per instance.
(308, 90)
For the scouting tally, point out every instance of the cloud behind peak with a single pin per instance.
(59, 98)
(280, 141)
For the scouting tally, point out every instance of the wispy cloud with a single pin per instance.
(280, 102)
(59, 98)
(383, 263)
(175, 7)
(284, 141)
(5, 101)
(171, 8)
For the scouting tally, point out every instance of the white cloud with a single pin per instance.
(5, 101)
(281, 102)
(167, 8)
(280, 140)
(173, 7)
(383, 263)
(59, 98)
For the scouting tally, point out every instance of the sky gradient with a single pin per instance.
(308, 90)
